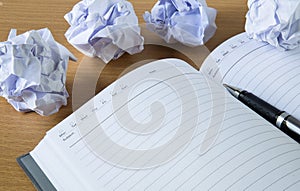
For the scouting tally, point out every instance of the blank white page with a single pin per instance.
(165, 126)
(269, 73)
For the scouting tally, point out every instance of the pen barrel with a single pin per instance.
(261, 107)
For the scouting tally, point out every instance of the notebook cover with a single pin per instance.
(35, 173)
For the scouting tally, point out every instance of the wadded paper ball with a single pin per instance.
(274, 21)
(104, 29)
(33, 72)
(190, 22)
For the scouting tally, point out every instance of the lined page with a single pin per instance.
(185, 133)
(269, 73)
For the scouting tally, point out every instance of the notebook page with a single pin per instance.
(271, 74)
(176, 111)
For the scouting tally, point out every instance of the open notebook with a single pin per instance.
(167, 126)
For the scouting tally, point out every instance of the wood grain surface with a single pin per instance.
(21, 132)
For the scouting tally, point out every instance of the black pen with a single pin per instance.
(281, 119)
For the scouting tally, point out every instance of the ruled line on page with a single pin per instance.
(241, 152)
(263, 71)
(254, 50)
(82, 137)
(227, 139)
(260, 165)
(198, 124)
(194, 149)
(291, 185)
(286, 175)
(292, 160)
(150, 158)
(196, 135)
(205, 119)
(175, 116)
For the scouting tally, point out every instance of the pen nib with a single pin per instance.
(233, 90)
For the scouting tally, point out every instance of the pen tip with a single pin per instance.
(232, 90)
(226, 86)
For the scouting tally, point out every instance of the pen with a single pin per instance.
(281, 119)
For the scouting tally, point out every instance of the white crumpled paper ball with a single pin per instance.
(104, 29)
(274, 21)
(33, 72)
(190, 22)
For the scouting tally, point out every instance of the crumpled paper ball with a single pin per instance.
(276, 22)
(104, 29)
(33, 71)
(190, 22)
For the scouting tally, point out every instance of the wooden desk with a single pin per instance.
(20, 132)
